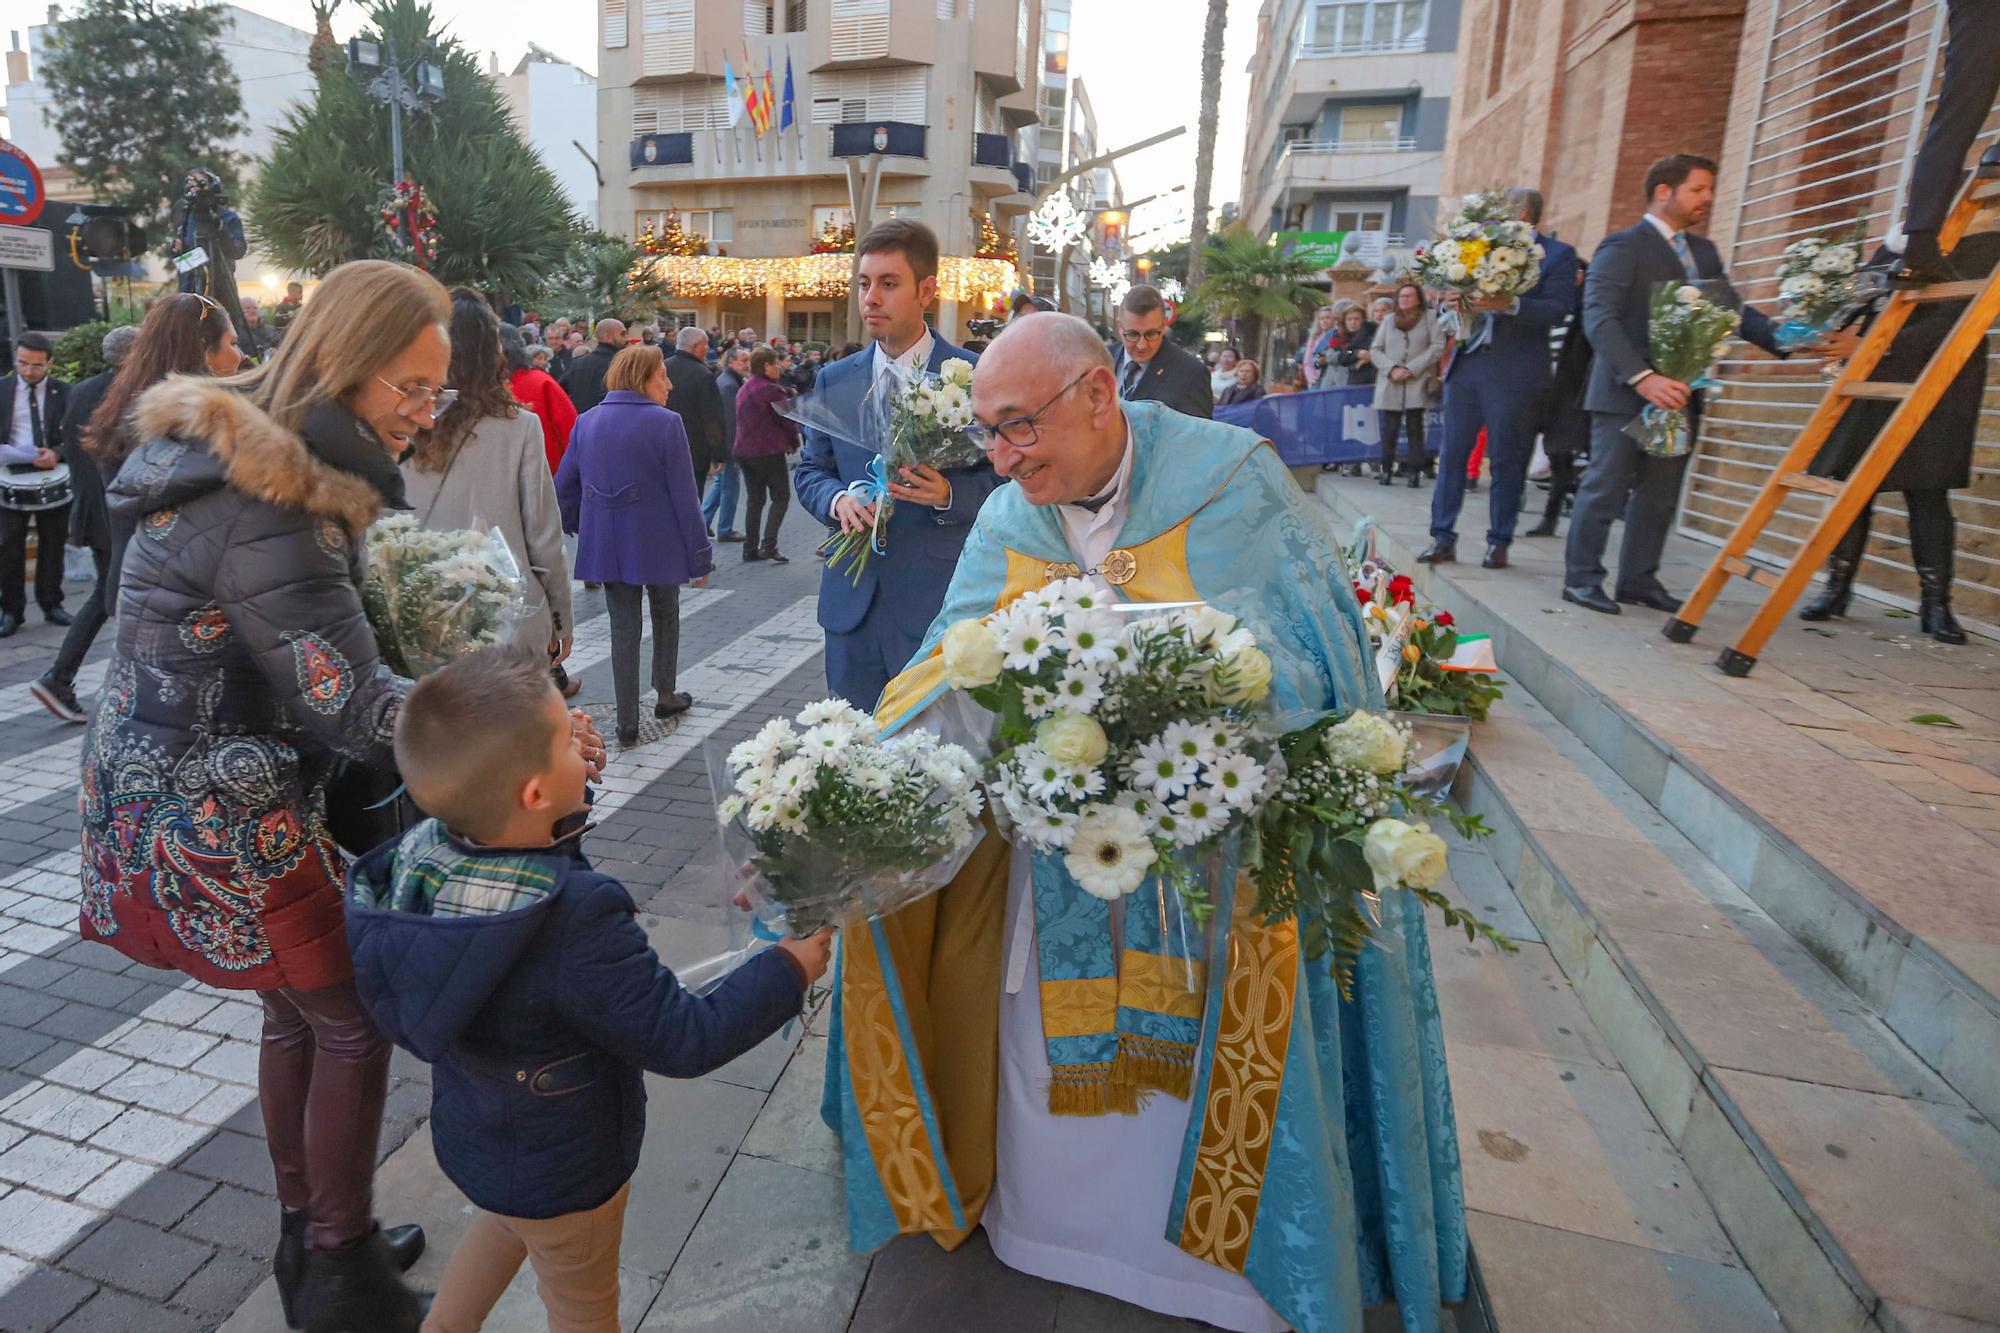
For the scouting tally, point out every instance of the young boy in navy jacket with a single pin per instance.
(486, 944)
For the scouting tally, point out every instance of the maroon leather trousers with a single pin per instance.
(322, 1077)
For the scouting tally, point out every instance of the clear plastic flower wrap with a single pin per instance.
(829, 822)
(432, 597)
(1686, 333)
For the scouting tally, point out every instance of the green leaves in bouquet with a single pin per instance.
(1423, 686)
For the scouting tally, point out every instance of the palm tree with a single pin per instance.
(1254, 284)
(323, 49)
(1211, 107)
(605, 276)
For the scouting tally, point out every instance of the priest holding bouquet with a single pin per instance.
(1302, 1165)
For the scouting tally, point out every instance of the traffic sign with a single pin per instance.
(22, 194)
(27, 247)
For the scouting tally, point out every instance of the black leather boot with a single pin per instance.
(1932, 534)
(357, 1290)
(288, 1262)
(1841, 567)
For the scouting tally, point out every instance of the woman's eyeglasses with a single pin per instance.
(419, 397)
(1019, 431)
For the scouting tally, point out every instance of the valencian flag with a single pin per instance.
(759, 107)
(785, 120)
(770, 94)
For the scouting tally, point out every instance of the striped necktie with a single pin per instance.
(1686, 256)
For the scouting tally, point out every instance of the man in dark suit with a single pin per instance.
(1498, 379)
(1617, 312)
(1965, 98)
(32, 403)
(585, 384)
(1152, 369)
(699, 403)
(89, 527)
(875, 624)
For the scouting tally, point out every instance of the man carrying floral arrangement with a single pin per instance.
(1135, 1173)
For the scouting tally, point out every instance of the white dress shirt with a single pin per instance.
(20, 445)
(1090, 536)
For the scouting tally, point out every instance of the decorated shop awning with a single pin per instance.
(961, 278)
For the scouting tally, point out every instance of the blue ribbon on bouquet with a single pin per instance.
(1796, 333)
(878, 491)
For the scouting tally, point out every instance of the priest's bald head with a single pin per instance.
(1047, 391)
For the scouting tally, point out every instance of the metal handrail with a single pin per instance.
(1320, 51)
(1402, 143)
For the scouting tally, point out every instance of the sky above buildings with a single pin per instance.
(1141, 64)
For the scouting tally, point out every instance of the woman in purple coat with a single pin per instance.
(627, 490)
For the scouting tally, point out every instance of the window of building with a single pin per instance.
(759, 17)
(1335, 27)
(1055, 51)
(1045, 172)
(1497, 70)
(809, 326)
(986, 118)
(795, 16)
(674, 320)
(680, 108)
(614, 23)
(717, 224)
(1053, 99)
(859, 29)
(668, 26)
(845, 95)
(1372, 122)
(1359, 217)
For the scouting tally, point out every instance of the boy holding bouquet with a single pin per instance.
(486, 944)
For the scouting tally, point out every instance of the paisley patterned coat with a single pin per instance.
(244, 667)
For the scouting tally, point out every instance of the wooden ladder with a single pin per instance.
(1915, 402)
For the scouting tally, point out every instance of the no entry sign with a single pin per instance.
(21, 193)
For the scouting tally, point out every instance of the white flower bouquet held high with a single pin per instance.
(924, 423)
(1127, 737)
(432, 597)
(1689, 329)
(1486, 250)
(1824, 286)
(838, 823)
(1345, 826)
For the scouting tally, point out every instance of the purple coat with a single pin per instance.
(627, 490)
(760, 431)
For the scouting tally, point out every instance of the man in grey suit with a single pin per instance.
(1617, 304)
(1152, 369)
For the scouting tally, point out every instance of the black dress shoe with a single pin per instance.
(1922, 264)
(1496, 558)
(1989, 164)
(58, 616)
(1385, 479)
(404, 1244)
(775, 556)
(1416, 480)
(672, 705)
(730, 537)
(1439, 553)
(9, 625)
(1545, 528)
(1659, 600)
(1591, 598)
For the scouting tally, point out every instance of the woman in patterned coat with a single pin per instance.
(244, 668)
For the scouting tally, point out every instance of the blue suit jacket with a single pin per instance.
(1618, 308)
(923, 543)
(1519, 346)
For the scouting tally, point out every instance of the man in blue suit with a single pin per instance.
(875, 625)
(1499, 379)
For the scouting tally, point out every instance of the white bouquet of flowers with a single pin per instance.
(432, 597)
(926, 420)
(1823, 286)
(840, 823)
(1485, 251)
(1689, 330)
(1128, 742)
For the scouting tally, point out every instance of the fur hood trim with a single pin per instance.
(258, 456)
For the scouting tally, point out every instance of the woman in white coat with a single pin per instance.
(1405, 354)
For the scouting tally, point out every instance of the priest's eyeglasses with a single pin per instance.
(1018, 431)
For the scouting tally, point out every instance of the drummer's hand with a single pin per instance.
(46, 459)
(583, 734)
(811, 953)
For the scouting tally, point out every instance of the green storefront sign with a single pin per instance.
(1324, 248)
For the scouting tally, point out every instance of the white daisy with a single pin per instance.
(1047, 826)
(1090, 638)
(827, 710)
(1025, 639)
(1039, 702)
(1109, 853)
(1162, 770)
(1084, 783)
(1189, 743)
(1237, 779)
(1080, 688)
(795, 777)
(1198, 818)
(829, 743)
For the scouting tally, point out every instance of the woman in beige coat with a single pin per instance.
(1406, 351)
(483, 466)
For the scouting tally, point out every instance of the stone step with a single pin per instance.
(1837, 825)
(1860, 1188)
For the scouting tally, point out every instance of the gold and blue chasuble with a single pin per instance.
(1321, 1158)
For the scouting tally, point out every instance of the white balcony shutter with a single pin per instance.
(614, 24)
(850, 95)
(645, 112)
(860, 29)
(1023, 52)
(669, 32)
(757, 18)
(679, 109)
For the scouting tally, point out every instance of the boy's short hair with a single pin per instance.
(472, 732)
(916, 243)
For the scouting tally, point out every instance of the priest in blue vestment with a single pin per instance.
(1305, 1167)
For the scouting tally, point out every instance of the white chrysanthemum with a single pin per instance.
(755, 781)
(731, 807)
(1163, 769)
(792, 817)
(1236, 779)
(762, 816)
(1838, 261)
(1043, 778)
(1085, 783)
(1081, 688)
(829, 743)
(1046, 825)
(1201, 817)
(1110, 854)
(829, 710)
(1038, 702)
(1206, 623)
(1090, 638)
(1025, 639)
(795, 777)
(872, 778)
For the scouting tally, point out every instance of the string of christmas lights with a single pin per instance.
(961, 278)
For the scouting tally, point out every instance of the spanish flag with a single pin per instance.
(756, 103)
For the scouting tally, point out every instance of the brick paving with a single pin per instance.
(135, 1190)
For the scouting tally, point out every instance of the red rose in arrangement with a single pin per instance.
(1442, 619)
(1362, 595)
(1402, 589)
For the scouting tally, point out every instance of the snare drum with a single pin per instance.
(27, 488)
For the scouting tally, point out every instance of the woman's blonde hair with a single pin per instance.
(361, 318)
(633, 369)
(1256, 371)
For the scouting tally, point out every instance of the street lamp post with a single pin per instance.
(365, 58)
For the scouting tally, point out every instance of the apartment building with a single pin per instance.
(940, 88)
(1348, 110)
(1066, 136)
(554, 106)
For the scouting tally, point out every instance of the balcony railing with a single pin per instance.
(1402, 143)
(1310, 50)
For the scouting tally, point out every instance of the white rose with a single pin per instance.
(1403, 855)
(1247, 672)
(1205, 622)
(1456, 271)
(972, 656)
(1072, 738)
(956, 371)
(1687, 294)
(1368, 742)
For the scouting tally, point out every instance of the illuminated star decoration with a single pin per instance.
(1118, 289)
(1172, 290)
(1105, 273)
(1057, 225)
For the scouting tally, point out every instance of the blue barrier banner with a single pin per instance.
(1324, 425)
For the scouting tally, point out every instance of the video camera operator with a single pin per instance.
(204, 220)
